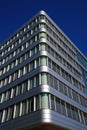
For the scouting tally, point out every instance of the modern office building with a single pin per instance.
(43, 79)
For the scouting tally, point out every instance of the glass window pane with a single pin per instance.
(44, 100)
(43, 61)
(37, 102)
(42, 46)
(37, 49)
(37, 80)
(23, 108)
(17, 110)
(44, 78)
(63, 111)
(8, 95)
(69, 111)
(32, 104)
(11, 113)
(52, 103)
(58, 107)
(31, 65)
(42, 25)
(42, 35)
(32, 83)
(4, 116)
(37, 62)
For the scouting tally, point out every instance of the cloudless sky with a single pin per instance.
(69, 15)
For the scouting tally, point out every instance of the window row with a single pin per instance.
(23, 47)
(62, 43)
(64, 89)
(68, 110)
(18, 41)
(72, 60)
(65, 75)
(43, 101)
(42, 79)
(28, 54)
(60, 35)
(25, 107)
(34, 50)
(35, 81)
(19, 60)
(21, 32)
(40, 61)
(63, 61)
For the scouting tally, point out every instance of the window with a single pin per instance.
(8, 93)
(85, 115)
(12, 93)
(31, 65)
(10, 79)
(69, 92)
(43, 61)
(55, 84)
(37, 80)
(37, 62)
(32, 51)
(73, 112)
(63, 111)
(42, 35)
(54, 66)
(42, 25)
(19, 89)
(32, 104)
(4, 71)
(44, 100)
(32, 83)
(52, 103)
(6, 81)
(44, 78)
(58, 107)
(8, 67)
(17, 110)
(49, 63)
(37, 102)
(69, 111)
(3, 97)
(42, 46)
(9, 113)
(61, 87)
(81, 114)
(24, 70)
(37, 49)
(16, 63)
(4, 116)
(24, 87)
(23, 108)
(51, 80)
(14, 53)
(15, 92)
(36, 38)
(41, 17)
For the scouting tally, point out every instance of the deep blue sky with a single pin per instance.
(69, 15)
